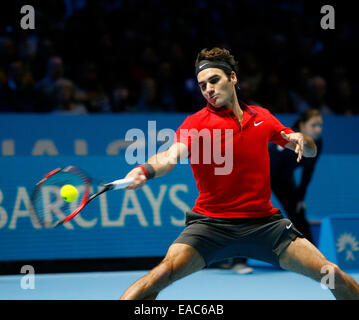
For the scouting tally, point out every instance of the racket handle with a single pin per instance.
(121, 183)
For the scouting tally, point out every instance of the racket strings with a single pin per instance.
(49, 207)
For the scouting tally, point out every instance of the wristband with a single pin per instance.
(148, 170)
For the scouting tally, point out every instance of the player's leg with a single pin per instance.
(180, 261)
(303, 257)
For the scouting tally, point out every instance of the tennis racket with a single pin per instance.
(51, 209)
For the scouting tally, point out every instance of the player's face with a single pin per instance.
(215, 86)
(313, 127)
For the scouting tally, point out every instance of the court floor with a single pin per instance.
(207, 284)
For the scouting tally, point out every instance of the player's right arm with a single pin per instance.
(162, 163)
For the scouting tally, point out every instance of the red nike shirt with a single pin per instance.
(230, 161)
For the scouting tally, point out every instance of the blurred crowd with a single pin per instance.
(138, 55)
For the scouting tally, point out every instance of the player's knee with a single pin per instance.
(336, 271)
(331, 269)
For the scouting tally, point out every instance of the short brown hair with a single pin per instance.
(218, 54)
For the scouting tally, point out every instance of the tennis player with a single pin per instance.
(233, 215)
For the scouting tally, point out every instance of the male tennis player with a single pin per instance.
(233, 215)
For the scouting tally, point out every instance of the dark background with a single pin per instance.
(136, 55)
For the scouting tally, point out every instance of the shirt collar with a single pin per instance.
(224, 110)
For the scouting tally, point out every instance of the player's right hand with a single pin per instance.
(139, 178)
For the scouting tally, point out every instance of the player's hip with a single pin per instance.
(259, 238)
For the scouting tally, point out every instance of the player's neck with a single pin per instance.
(235, 107)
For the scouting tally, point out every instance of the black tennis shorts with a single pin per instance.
(218, 239)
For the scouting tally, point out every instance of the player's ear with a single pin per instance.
(234, 78)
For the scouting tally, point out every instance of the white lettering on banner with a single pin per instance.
(155, 203)
(85, 223)
(81, 147)
(44, 147)
(22, 198)
(8, 147)
(179, 203)
(78, 218)
(130, 195)
(106, 222)
(130, 205)
(3, 213)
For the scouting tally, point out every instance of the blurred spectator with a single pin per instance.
(311, 95)
(16, 94)
(250, 70)
(317, 89)
(274, 95)
(46, 88)
(298, 94)
(192, 96)
(148, 100)
(343, 101)
(65, 97)
(122, 100)
(341, 95)
(149, 48)
(92, 91)
(28, 52)
(246, 93)
(166, 88)
(7, 55)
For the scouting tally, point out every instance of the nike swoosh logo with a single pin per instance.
(288, 226)
(257, 124)
(203, 65)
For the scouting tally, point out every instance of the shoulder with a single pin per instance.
(262, 113)
(195, 119)
(200, 113)
(259, 110)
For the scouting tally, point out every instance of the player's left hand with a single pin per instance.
(297, 141)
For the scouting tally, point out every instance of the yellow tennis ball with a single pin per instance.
(69, 193)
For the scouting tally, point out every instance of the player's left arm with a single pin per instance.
(301, 144)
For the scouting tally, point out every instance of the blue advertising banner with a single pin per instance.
(23, 135)
(126, 223)
(339, 240)
(63, 135)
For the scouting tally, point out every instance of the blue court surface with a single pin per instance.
(208, 284)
